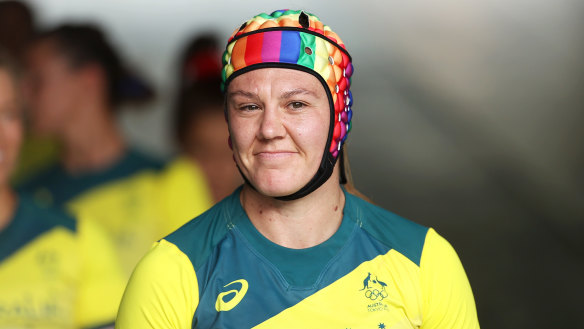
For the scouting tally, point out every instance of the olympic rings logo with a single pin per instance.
(374, 294)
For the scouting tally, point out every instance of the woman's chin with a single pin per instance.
(277, 188)
(274, 192)
(277, 182)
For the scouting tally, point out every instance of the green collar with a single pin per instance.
(301, 268)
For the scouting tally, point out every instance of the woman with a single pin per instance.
(55, 272)
(292, 248)
(200, 119)
(77, 84)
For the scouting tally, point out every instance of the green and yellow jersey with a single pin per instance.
(56, 272)
(145, 207)
(377, 271)
(55, 186)
(137, 200)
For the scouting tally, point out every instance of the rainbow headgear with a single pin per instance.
(298, 40)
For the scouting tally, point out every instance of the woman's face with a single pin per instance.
(10, 127)
(53, 88)
(279, 122)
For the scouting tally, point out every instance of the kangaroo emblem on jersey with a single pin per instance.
(375, 292)
(366, 281)
(222, 305)
(374, 288)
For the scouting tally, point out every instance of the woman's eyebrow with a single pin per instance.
(294, 92)
(245, 94)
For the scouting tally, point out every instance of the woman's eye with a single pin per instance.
(296, 105)
(250, 107)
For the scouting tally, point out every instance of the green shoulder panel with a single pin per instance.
(201, 235)
(394, 231)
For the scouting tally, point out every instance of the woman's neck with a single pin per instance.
(92, 143)
(7, 206)
(296, 224)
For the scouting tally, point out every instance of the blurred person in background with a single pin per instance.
(17, 29)
(200, 126)
(293, 248)
(55, 271)
(77, 83)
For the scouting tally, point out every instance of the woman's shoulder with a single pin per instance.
(35, 226)
(198, 237)
(388, 228)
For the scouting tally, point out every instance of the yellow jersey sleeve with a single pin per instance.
(447, 299)
(163, 292)
(101, 282)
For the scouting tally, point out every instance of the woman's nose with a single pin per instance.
(271, 125)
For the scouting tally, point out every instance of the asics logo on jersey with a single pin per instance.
(226, 305)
